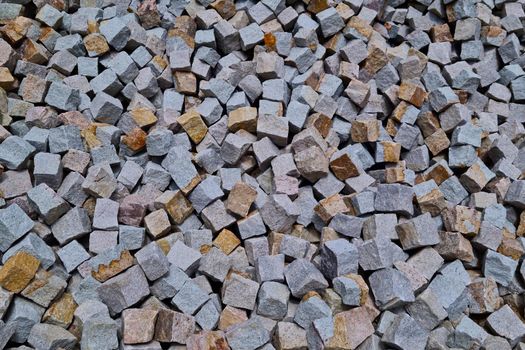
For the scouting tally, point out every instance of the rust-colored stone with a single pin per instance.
(96, 44)
(188, 39)
(441, 33)
(7, 81)
(104, 272)
(231, 316)
(316, 6)
(412, 93)
(270, 41)
(61, 312)
(143, 117)
(16, 30)
(34, 52)
(428, 123)
(462, 219)
(148, 14)
(351, 328)
(178, 207)
(391, 151)
(365, 130)
(185, 24)
(240, 199)
(135, 139)
(360, 26)
(343, 167)
(243, 118)
(330, 206)
(18, 271)
(226, 241)
(207, 340)
(194, 126)
(225, 8)
(511, 247)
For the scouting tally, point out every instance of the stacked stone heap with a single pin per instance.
(275, 174)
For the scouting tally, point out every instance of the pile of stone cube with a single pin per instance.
(273, 174)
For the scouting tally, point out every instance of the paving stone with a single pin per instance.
(72, 255)
(116, 32)
(99, 332)
(273, 300)
(184, 257)
(390, 288)
(138, 325)
(249, 334)
(405, 333)
(190, 297)
(153, 261)
(394, 198)
(72, 225)
(133, 281)
(14, 224)
(238, 291)
(14, 152)
(18, 271)
(25, 314)
(263, 145)
(338, 257)
(62, 97)
(302, 277)
(351, 328)
(418, 232)
(499, 267)
(279, 212)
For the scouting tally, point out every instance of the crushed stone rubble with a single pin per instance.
(274, 174)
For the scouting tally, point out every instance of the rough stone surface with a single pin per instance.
(245, 175)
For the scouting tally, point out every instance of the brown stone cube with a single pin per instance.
(185, 82)
(226, 241)
(343, 166)
(441, 33)
(412, 93)
(157, 223)
(143, 117)
(61, 312)
(240, 199)
(330, 206)
(178, 207)
(7, 81)
(135, 139)
(452, 245)
(243, 118)
(138, 325)
(511, 247)
(96, 44)
(365, 130)
(194, 126)
(103, 272)
(18, 271)
(231, 316)
(462, 219)
(390, 151)
(428, 123)
(437, 142)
